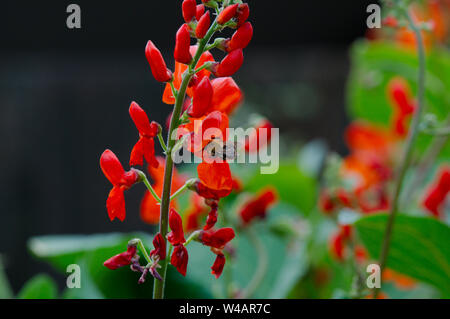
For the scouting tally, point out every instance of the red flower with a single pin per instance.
(217, 239)
(180, 259)
(227, 14)
(339, 240)
(201, 98)
(404, 105)
(437, 193)
(122, 259)
(218, 265)
(189, 10)
(180, 68)
(212, 216)
(159, 69)
(215, 180)
(182, 52)
(230, 64)
(159, 245)
(226, 95)
(256, 140)
(196, 209)
(121, 181)
(241, 38)
(326, 202)
(145, 147)
(257, 207)
(203, 25)
(176, 236)
(242, 14)
(373, 199)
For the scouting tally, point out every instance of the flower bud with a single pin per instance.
(189, 10)
(182, 45)
(241, 38)
(227, 14)
(203, 26)
(242, 14)
(201, 98)
(199, 11)
(159, 69)
(230, 64)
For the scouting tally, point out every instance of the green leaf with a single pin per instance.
(293, 186)
(39, 287)
(419, 247)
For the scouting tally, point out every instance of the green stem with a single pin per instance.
(182, 188)
(408, 151)
(192, 237)
(149, 186)
(161, 142)
(262, 265)
(158, 287)
(141, 247)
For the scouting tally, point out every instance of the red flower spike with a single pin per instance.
(218, 265)
(201, 98)
(182, 45)
(230, 64)
(241, 38)
(180, 259)
(437, 193)
(242, 14)
(121, 181)
(189, 10)
(211, 220)
(217, 239)
(176, 236)
(159, 245)
(122, 259)
(203, 25)
(253, 144)
(200, 10)
(227, 14)
(226, 95)
(159, 69)
(145, 147)
(258, 206)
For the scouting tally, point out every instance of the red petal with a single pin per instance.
(122, 259)
(115, 204)
(137, 153)
(176, 236)
(111, 167)
(180, 259)
(226, 95)
(218, 265)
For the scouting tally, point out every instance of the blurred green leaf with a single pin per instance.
(39, 287)
(5, 288)
(293, 186)
(419, 247)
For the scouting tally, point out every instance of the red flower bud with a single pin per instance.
(145, 146)
(203, 26)
(159, 245)
(122, 259)
(176, 236)
(230, 64)
(180, 259)
(242, 14)
(241, 38)
(257, 207)
(227, 14)
(437, 193)
(200, 10)
(189, 9)
(121, 180)
(218, 265)
(159, 69)
(201, 98)
(217, 239)
(182, 45)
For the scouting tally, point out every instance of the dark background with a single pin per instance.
(64, 97)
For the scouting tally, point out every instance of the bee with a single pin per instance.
(224, 150)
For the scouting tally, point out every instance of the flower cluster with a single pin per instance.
(201, 90)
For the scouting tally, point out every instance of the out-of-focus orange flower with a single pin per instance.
(150, 208)
(401, 281)
(339, 240)
(194, 212)
(257, 207)
(436, 195)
